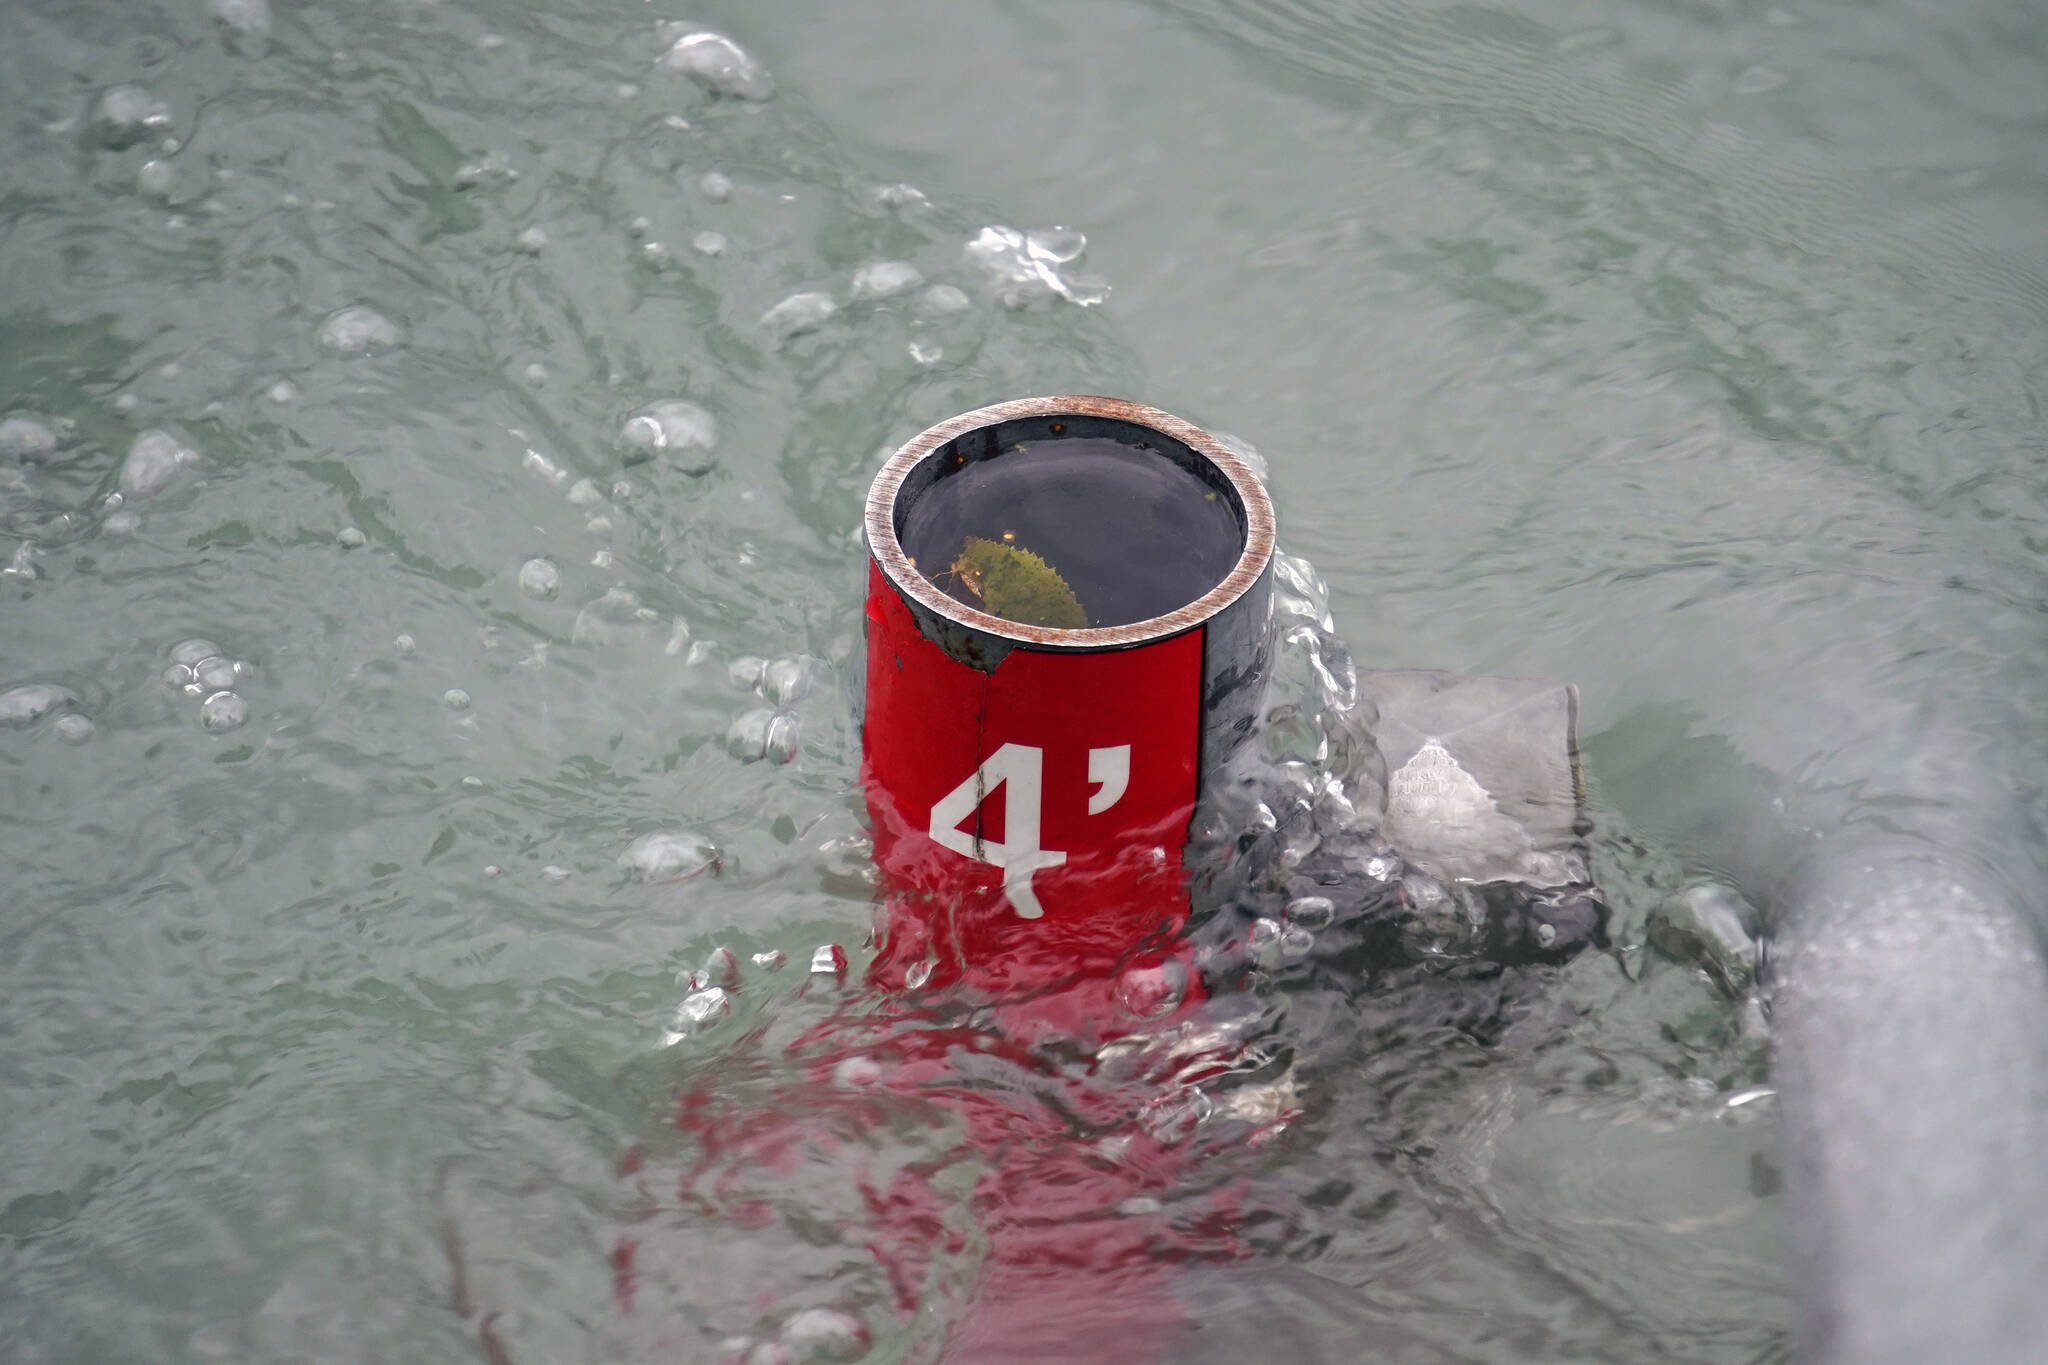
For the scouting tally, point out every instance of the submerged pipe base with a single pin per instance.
(1910, 1007)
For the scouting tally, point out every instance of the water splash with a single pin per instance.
(1028, 266)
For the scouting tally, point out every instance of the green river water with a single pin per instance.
(1692, 352)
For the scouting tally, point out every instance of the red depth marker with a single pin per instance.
(1029, 822)
(1031, 789)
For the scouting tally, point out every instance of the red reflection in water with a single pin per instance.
(1081, 1209)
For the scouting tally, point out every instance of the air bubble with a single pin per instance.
(222, 712)
(886, 279)
(856, 1073)
(1313, 913)
(917, 974)
(23, 440)
(154, 459)
(763, 733)
(404, 646)
(826, 1333)
(359, 330)
(554, 874)
(126, 114)
(157, 179)
(1173, 1117)
(216, 673)
(674, 428)
(797, 315)
(539, 578)
(900, 196)
(1026, 266)
(942, 300)
(351, 538)
(533, 241)
(720, 65)
(249, 17)
(615, 618)
(541, 467)
(709, 244)
(670, 856)
(1152, 990)
(493, 168)
(703, 1008)
(769, 961)
(722, 968)
(283, 392)
(828, 959)
(787, 680)
(1263, 942)
(715, 186)
(1296, 942)
(1060, 245)
(23, 706)
(73, 728)
(746, 671)
(455, 699)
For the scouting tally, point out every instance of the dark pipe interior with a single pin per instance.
(1137, 524)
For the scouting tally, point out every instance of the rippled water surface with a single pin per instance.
(482, 396)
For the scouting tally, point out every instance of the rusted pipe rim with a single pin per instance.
(888, 551)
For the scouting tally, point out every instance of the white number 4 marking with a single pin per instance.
(1020, 770)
